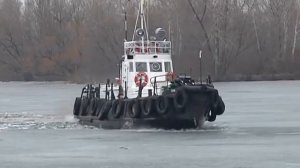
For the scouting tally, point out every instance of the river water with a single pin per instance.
(259, 129)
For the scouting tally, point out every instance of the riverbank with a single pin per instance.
(264, 77)
(77, 79)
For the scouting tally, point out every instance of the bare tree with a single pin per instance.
(83, 39)
(11, 35)
(296, 30)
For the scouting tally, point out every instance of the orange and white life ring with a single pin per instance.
(138, 50)
(171, 76)
(141, 78)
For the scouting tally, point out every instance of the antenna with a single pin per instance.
(136, 22)
(200, 60)
(147, 22)
(126, 26)
(143, 22)
(170, 30)
(125, 21)
(124, 10)
(142, 14)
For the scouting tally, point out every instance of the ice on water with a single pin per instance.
(260, 128)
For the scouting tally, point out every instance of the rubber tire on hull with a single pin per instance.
(218, 107)
(117, 108)
(83, 106)
(100, 104)
(104, 110)
(147, 106)
(92, 107)
(77, 106)
(180, 100)
(162, 105)
(212, 118)
(133, 108)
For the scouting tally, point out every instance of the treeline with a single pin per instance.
(82, 40)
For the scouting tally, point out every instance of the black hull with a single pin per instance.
(139, 123)
(197, 107)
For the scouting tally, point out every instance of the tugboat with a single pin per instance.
(147, 92)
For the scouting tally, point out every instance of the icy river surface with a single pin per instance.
(259, 129)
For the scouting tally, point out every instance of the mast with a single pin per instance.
(143, 24)
(142, 21)
(142, 14)
(125, 21)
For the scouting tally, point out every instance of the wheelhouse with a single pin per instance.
(150, 66)
(147, 60)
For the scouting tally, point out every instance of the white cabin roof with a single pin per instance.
(147, 48)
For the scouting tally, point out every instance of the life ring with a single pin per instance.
(180, 100)
(171, 76)
(145, 50)
(77, 106)
(83, 106)
(117, 108)
(141, 76)
(119, 81)
(162, 104)
(133, 108)
(138, 50)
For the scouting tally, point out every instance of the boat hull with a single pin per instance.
(129, 123)
(188, 107)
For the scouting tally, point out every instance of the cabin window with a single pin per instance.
(130, 66)
(155, 67)
(141, 66)
(168, 67)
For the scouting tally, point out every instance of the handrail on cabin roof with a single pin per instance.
(150, 47)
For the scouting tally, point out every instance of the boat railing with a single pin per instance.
(154, 82)
(147, 47)
(95, 90)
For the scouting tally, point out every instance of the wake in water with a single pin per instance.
(37, 121)
(27, 120)
(207, 127)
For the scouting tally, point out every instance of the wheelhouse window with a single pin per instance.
(141, 66)
(130, 66)
(155, 67)
(168, 67)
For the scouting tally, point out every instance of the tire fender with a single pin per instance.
(147, 106)
(117, 108)
(133, 109)
(162, 104)
(83, 106)
(218, 107)
(92, 107)
(104, 110)
(100, 104)
(211, 117)
(180, 100)
(77, 106)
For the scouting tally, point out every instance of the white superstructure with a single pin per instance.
(146, 65)
(145, 61)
